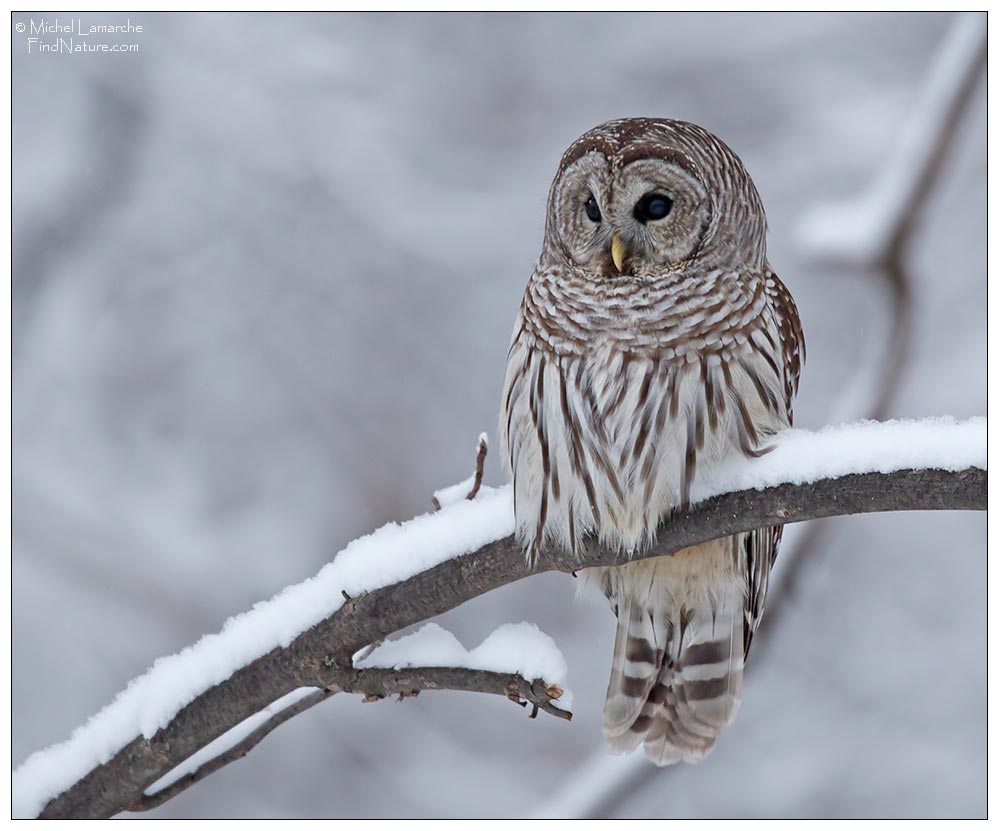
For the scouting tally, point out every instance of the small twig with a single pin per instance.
(149, 801)
(377, 683)
(480, 463)
(482, 448)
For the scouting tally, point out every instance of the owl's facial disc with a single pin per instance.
(645, 218)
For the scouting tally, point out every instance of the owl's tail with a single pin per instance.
(676, 678)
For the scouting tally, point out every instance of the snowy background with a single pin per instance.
(265, 272)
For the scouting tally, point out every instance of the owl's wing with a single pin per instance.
(760, 549)
(760, 546)
(792, 339)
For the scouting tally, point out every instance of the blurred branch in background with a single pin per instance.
(868, 233)
(875, 237)
(321, 656)
(870, 230)
(117, 120)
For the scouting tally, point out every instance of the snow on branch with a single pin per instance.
(518, 648)
(309, 634)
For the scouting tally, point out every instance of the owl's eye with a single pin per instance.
(653, 206)
(592, 209)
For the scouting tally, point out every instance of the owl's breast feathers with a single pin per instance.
(618, 393)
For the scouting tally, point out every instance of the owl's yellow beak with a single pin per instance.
(619, 251)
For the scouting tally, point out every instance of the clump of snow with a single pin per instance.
(519, 648)
(228, 739)
(398, 551)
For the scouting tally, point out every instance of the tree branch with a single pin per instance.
(147, 802)
(375, 684)
(321, 656)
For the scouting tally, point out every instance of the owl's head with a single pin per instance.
(653, 197)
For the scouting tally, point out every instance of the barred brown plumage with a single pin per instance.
(648, 351)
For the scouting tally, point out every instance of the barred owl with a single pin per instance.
(653, 344)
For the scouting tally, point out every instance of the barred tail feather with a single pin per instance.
(638, 655)
(676, 697)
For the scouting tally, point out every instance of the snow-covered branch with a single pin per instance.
(374, 684)
(309, 635)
